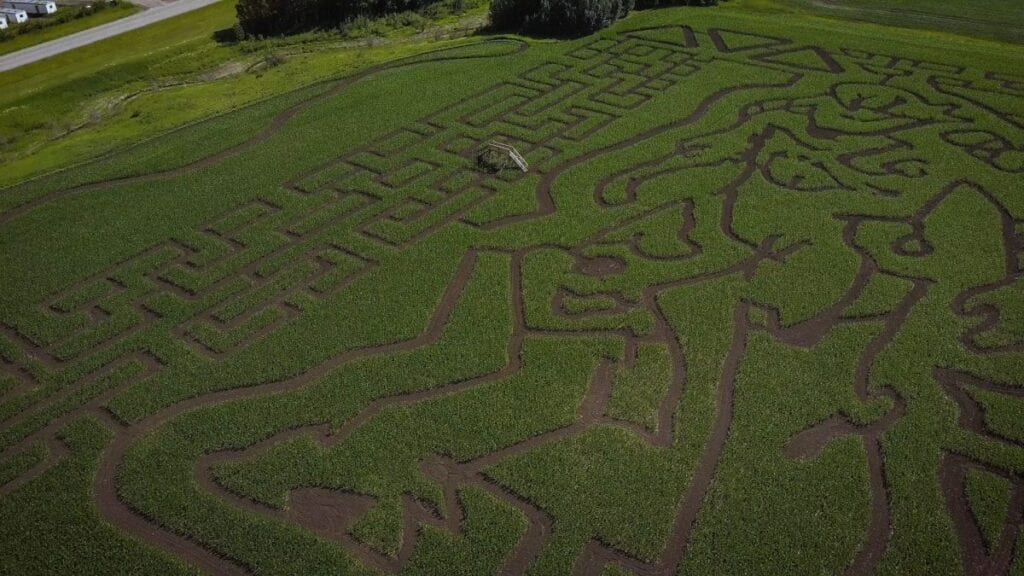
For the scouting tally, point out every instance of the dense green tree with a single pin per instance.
(269, 17)
(570, 17)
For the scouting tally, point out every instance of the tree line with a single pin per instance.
(276, 17)
(571, 17)
(545, 17)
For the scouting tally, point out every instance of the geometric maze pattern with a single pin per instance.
(260, 265)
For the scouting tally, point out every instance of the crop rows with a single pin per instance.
(800, 201)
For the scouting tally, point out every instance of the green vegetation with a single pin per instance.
(996, 19)
(65, 536)
(637, 391)
(258, 18)
(50, 105)
(68, 20)
(568, 18)
(753, 308)
(989, 496)
(557, 17)
(80, 105)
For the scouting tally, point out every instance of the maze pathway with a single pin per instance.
(716, 222)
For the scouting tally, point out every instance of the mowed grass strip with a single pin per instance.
(79, 23)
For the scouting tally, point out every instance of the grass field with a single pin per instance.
(100, 98)
(756, 308)
(79, 106)
(46, 109)
(996, 19)
(70, 27)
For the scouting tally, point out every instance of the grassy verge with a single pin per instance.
(102, 97)
(20, 40)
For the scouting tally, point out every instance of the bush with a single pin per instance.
(492, 161)
(274, 17)
(570, 17)
(644, 4)
(557, 17)
(264, 17)
(272, 59)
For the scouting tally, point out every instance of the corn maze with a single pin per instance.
(756, 307)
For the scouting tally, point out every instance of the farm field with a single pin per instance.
(83, 104)
(757, 307)
(79, 106)
(995, 19)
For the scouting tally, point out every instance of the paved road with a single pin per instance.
(85, 37)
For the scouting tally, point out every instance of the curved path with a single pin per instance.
(275, 125)
(781, 137)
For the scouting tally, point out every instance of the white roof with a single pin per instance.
(11, 11)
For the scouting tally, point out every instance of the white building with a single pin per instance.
(15, 16)
(3, 21)
(31, 6)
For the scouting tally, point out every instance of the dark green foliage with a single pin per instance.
(491, 161)
(557, 17)
(570, 17)
(644, 4)
(638, 391)
(989, 497)
(264, 17)
(272, 17)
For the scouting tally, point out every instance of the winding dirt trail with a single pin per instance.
(115, 511)
(741, 162)
(263, 135)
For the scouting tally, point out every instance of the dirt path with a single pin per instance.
(737, 146)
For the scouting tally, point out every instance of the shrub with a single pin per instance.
(557, 17)
(644, 4)
(273, 17)
(492, 161)
(266, 17)
(511, 14)
(570, 17)
(272, 59)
